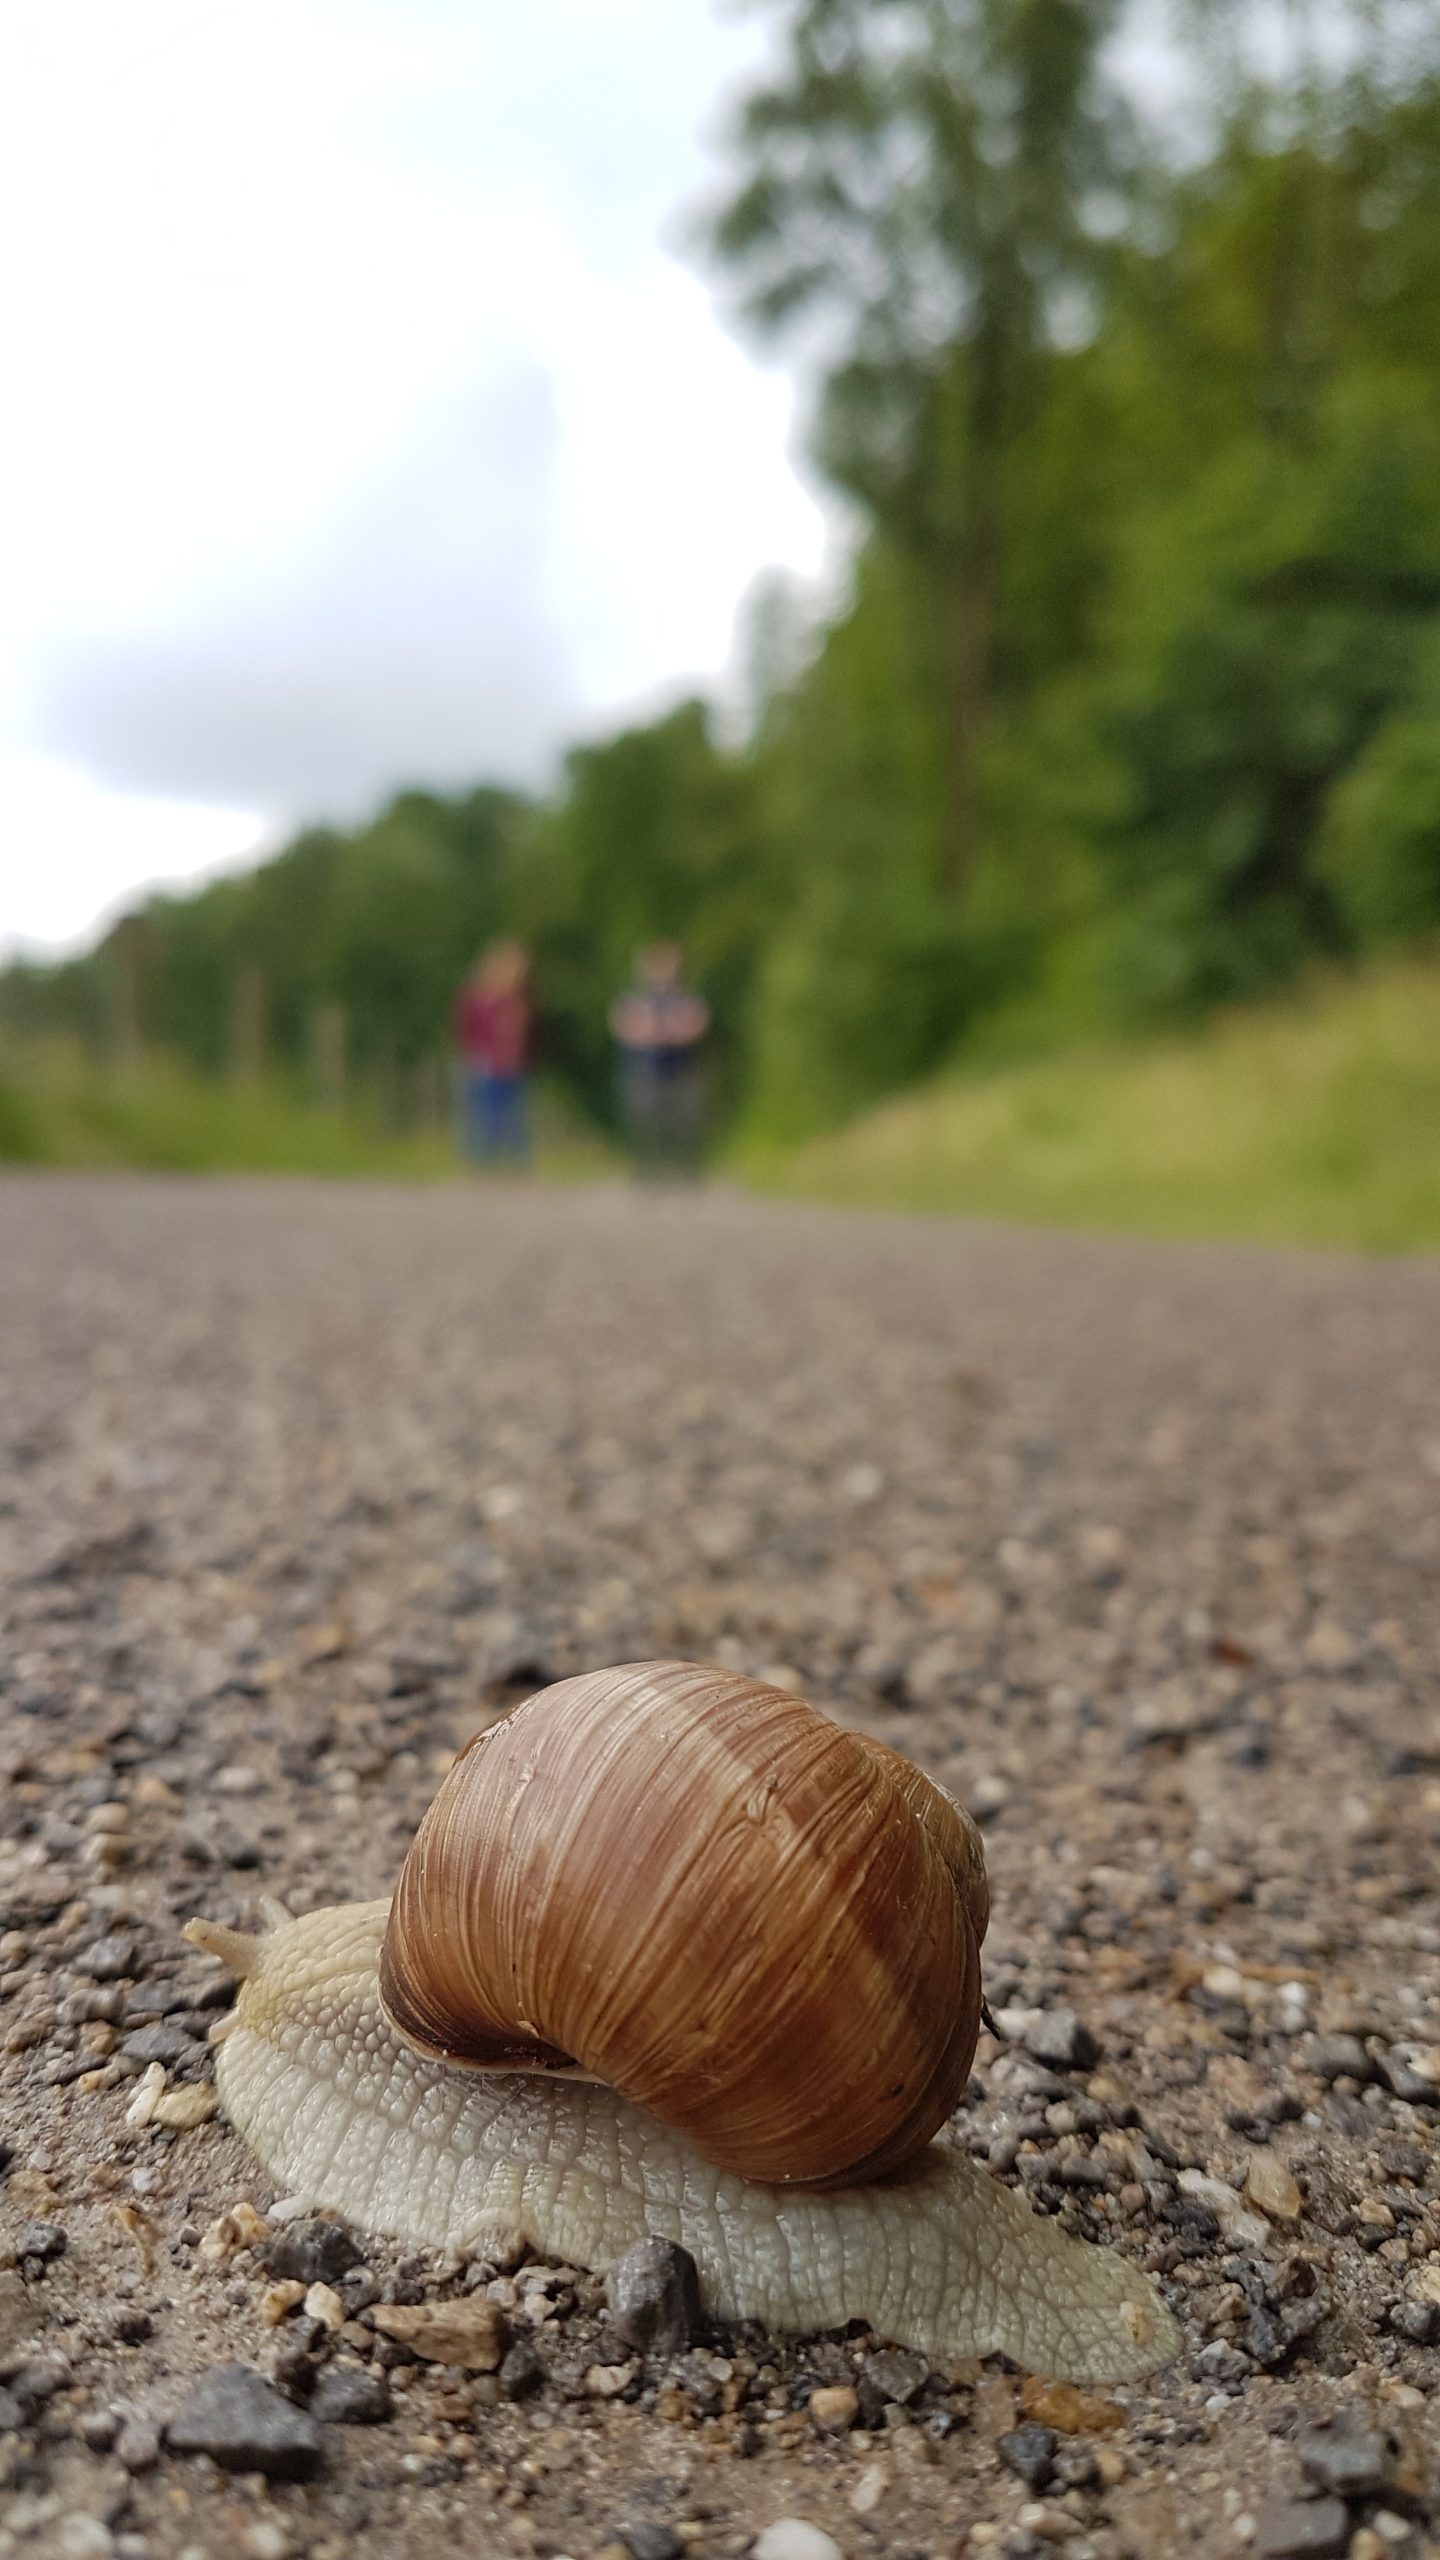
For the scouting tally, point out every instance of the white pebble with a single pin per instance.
(83, 2538)
(790, 2539)
(147, 2097)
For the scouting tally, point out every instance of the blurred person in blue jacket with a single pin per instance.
(660, 1025)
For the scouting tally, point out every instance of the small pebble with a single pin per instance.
(608, 2381)
(312, 2252)
(1347, 2456)
(521, 2371)
(652, 2542)
(1270, 2187)
(653, 2297)
(896, 2374)
(791, 2539)
(834, 2408)
(469, 2333)
(44, 2240)
(1339, 2058)
(141, 2109)
(351, 2395)
(279, 2300)
(1029, 2452)
(138, 2443)
(110, 1959)
(181, 2110)
(1301, 2529)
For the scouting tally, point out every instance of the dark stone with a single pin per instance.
(110, 1959)
(1272, 2336)
(165, 2044)
(521, 2371)
(1301, 2529)
(1346, 2456)
(1402, 2082)
(892, 2378)
(317, 2252)
(1339, 2058)
(40, 2240)
(1061, 2040)
(652, 2542)
(1029, 2452)
(132, 2328)
(242, 2422)
(294, 2369)
(148, 2000)
(653, 2297)
(1417, 2321)
(350, 2395)
(1220, 2362)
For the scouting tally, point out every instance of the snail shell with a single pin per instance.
(760, 1928)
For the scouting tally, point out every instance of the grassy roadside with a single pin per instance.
(59, 1107)
(1310, 1121)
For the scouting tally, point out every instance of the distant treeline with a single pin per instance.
(1134, 703)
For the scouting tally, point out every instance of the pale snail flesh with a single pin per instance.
(524, 2138)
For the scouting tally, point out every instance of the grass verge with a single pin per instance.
(1315, 1120)
(60, 1107)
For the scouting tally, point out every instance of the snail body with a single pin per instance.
(428, 2068)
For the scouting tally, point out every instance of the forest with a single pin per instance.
(1130, 705)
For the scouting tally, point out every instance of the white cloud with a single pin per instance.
(361, 427)
(64, 837)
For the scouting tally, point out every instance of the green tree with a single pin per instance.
(923, 185)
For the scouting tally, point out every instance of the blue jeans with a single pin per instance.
(496, 1124)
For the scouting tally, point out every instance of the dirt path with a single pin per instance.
(1135, 1547)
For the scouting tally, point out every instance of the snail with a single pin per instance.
(673, 1953)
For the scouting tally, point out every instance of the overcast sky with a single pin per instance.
(363, 422)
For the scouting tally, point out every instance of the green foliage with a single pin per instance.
(1264, 626)
(1380, 845)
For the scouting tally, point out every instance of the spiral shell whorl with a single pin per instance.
(759, 1927)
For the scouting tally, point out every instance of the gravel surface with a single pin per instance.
(1134, 1547)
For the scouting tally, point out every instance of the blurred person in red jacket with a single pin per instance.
(494, 1034)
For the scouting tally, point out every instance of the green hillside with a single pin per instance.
(1310, 1121)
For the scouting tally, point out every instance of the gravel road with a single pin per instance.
(1134, 1547)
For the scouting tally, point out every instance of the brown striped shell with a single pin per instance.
(761, 1928)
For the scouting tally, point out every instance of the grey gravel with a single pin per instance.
(1133, 1547)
